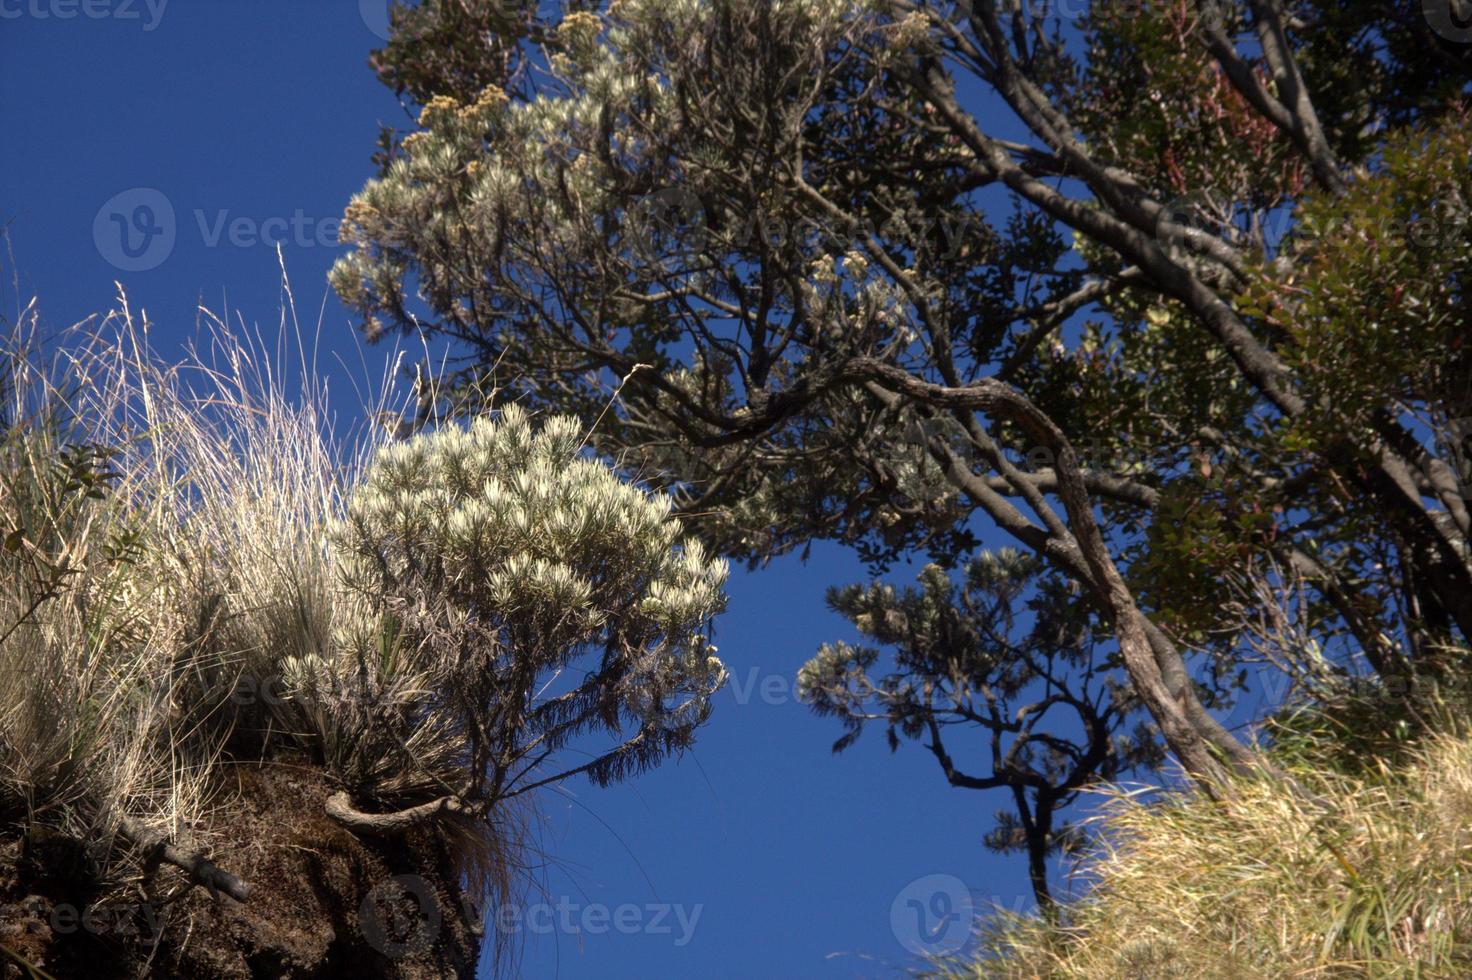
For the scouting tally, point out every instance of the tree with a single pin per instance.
(957, 666)
(868, 316)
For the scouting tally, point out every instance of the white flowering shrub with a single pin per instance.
(535, 598)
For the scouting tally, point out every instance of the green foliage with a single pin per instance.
(1376, 304)
(1379, 66)
(1357, 728)
(1151, 102)
(594, 219)
(441, 46)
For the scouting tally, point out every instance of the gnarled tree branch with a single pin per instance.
(340, 808)
(1207, 751)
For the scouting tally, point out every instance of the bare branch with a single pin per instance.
(200, 869)
(340, 808)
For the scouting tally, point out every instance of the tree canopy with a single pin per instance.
(1174, 294)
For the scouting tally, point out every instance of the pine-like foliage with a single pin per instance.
(1004, 693)
(536, 597)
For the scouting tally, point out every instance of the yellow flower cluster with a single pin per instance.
(437, 108)
(578, 36)
(578, 29)
(492, 99)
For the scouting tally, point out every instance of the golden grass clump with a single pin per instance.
(164, 537)
(1360, 876)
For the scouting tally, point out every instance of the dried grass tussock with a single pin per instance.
(1371, 877)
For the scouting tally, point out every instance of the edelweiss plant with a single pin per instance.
(520, 598)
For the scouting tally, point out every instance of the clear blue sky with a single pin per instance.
(775, 858)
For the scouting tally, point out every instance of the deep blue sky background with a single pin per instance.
(266, 110)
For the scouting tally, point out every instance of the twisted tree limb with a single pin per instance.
(340, 808)
(1206, 750)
